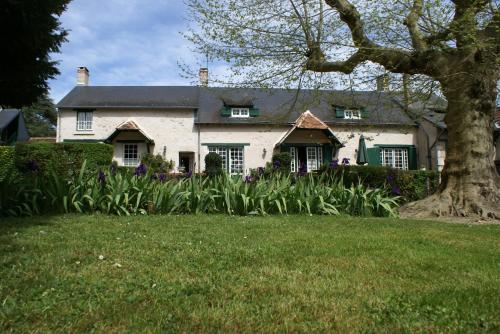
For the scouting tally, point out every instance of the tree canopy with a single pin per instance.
(455, 43)
(41, 118)
(31, 31)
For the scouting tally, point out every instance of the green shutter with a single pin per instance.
(374, 156)
(225, 111)
(254, 112)
(412, 158)
(339, 112)
(327, 154)
(364, 113)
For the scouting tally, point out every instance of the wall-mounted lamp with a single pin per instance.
(164, 152)
(264, 152)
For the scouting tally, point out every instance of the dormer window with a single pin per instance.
(352, 114)
(240, 112)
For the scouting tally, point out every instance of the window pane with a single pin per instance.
(130, 155)
(312, 159)
(236, 160)
(84, 120)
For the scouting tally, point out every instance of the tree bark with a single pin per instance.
(470, 184)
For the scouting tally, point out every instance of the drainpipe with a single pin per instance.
(58, 130)
(199, 147)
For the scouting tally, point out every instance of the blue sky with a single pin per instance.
(124, 42)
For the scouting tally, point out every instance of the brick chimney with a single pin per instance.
(82, 76)
(203, 77)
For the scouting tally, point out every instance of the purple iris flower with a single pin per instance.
(248, 179)
(101, 177)
(276, 164)
(396, 190)
(141, 170)
(32, 166)
(345, 162)
(334, 163)
(162, 177)
(390, 178)
(189, 174)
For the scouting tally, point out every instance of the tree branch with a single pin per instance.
(412, 23)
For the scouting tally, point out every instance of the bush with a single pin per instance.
(61, 158)
(7, 166)
(157, 163)
(213, 164)
(411, 185)
(282, 162)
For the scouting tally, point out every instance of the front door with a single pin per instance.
(310, 157)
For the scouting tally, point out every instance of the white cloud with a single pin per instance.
(133, 42)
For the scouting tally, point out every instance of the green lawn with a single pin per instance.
(247, 274)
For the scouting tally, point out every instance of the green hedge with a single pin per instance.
(411, 184)
(62, 158)
(7, 167)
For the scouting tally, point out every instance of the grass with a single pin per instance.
(247, 274)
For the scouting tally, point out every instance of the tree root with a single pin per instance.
(444, 205)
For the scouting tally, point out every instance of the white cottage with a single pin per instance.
(245, 126)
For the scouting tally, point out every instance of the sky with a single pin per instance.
(124, 42)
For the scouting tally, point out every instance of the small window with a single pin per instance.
(130, 155)
(352, 114)
(240, 112)
(394, 157)
(84, 120)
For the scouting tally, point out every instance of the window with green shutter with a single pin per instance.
(254, 112)
(225, 111)
(339, 111)
(374, 156)
(402, 157)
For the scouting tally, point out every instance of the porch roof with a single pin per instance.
(129, 126)
(307, 120)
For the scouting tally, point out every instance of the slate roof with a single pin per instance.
(276, 106)
(7, 116)
(281, 106)
(164, 97)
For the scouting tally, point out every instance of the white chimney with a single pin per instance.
(203, 77)
(82, 76)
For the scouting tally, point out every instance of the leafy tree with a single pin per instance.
(41, 118)
(455, 43)
(30, 32)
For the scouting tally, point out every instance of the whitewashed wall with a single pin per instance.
(176, 130)
(171, 128)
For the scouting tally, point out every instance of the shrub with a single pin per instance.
(7, 166)
(282, 162)
(410, 185)
(157, 163)
(213, 164)
(61, 158)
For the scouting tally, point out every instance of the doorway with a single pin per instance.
(186, 162)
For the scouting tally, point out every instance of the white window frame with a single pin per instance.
(233, 158)
(131, 162)
(84, 120)
(312, 158)
(240, 112)
(352, 114)
(394, 157)
(293, 161)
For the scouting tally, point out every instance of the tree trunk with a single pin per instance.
(470, 185)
